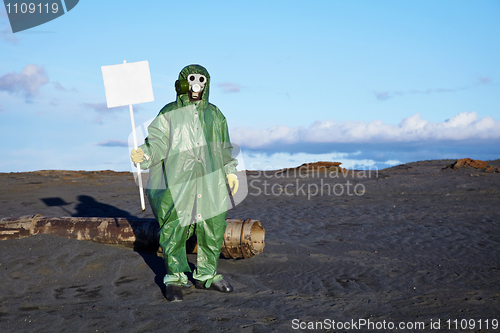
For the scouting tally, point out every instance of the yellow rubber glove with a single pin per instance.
(233, 182)
(137, 155)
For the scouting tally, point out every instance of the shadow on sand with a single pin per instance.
(89, 207)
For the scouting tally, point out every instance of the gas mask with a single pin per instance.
(194, 84)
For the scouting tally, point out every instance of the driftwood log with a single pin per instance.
(242, 239)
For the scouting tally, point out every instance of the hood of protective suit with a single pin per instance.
(183, 100)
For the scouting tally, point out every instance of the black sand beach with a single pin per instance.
(412, 244)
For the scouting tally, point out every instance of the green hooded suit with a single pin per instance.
(188, 153)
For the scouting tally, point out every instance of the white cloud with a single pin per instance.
(277, 161)
(103, 108)
(75, 157)
(113, 143)
(385, 95)
(229, 87)
(465, 125)
(9, 36)
(28, 82)
(60, 87)
(485, 80)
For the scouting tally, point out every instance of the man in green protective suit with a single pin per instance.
(188, 152)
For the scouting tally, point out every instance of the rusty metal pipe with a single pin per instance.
(242, 239)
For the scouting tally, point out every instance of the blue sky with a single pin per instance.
(365, 83)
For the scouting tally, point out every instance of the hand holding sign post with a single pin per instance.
(127, 84)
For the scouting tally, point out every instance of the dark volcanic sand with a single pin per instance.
(420, 244)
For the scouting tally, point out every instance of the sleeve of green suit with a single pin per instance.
(157, 142)
(230, 163)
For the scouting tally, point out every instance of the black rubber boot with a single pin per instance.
(223, 286)
(174, 293)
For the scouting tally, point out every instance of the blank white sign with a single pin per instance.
(128, 83)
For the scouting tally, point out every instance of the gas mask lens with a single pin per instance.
(196, 84)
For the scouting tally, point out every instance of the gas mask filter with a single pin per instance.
(194, 83)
